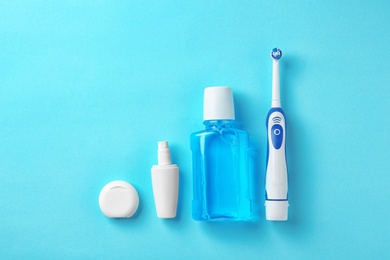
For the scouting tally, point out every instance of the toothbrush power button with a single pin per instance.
(277, 136)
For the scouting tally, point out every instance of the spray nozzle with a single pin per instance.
(164, 155)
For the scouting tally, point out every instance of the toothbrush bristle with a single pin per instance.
(276, 54)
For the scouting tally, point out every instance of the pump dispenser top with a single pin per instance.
(163, 153)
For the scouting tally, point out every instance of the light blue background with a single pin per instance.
(87, 88)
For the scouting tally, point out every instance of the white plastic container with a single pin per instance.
(165, 182)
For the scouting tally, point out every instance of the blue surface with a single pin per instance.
(87, 88)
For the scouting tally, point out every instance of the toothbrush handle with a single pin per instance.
(276, 182)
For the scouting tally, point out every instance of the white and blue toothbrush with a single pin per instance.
(276, 181)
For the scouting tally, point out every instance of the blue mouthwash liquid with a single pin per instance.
(220, 172)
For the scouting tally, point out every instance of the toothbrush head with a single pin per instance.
(276, 54)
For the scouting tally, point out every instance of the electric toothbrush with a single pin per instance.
(276, 182)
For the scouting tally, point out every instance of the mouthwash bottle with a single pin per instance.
(221, 188)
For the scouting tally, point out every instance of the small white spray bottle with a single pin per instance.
(165, 182)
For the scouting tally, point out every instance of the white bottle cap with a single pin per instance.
(276, 210)
(118, 199)
(218, 104)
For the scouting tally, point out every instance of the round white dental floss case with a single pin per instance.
(118, 199)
